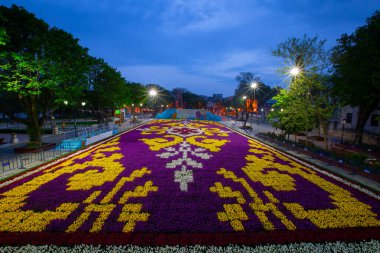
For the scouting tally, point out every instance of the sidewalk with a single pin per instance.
(264, 128)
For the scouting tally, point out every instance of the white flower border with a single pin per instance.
(50, 164)
(372, 246)
(324, 172)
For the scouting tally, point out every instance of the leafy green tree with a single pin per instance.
(37, 63)
(292, 112)
(107, 89)
(3, 33)
(356, 61)
(311, 85)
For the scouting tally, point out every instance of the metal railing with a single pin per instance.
(22, 160)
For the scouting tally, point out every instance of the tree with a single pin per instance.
(310, 88)
(356, 61)
(37, 64)
(259, 93)
(107, 89)
(3, 33)
(136, 95)
(292, 112)
(193, 100)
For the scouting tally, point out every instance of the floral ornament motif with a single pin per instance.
(81, 175)
(263, 167)
(193, 147)
(183, 177)
(184, 131)
(185, 149)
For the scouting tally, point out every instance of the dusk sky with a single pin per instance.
(200, 45)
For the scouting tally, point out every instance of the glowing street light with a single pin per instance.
(254, 85)
(65, 102)
(83, 103)
(295, 71)
(244, 97)
(152, 93)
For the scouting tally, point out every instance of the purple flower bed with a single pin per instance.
(183, 179)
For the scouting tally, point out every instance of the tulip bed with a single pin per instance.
(172, 182)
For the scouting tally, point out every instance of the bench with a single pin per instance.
(342, 151)
(303, 142)
(316, 138)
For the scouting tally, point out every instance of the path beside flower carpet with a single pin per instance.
(183, 182)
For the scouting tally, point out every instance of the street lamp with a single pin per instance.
(153, 94)
(341, 139)
(294, 71)
(254, 86)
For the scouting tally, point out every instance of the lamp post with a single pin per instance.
(54, 130)
(153, 94)
(65, 103)
(254, 86)
(75, 120)
(341, 139)
(245, 109)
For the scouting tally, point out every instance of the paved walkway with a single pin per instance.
(264, 128)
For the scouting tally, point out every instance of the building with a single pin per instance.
(217, 98)
(349, 116)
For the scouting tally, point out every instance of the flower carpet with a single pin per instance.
(172, 182)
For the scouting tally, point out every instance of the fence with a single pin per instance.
(22, 160)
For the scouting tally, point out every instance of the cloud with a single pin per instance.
(210, 74)
(230, 64)
(171, 77)
(182, 16)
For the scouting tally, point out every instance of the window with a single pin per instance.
(349, 118)
(375, 120)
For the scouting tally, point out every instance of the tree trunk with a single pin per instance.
(33, 123)
(364, 113)
(325, 128)
(34, 132)
(246, 119)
